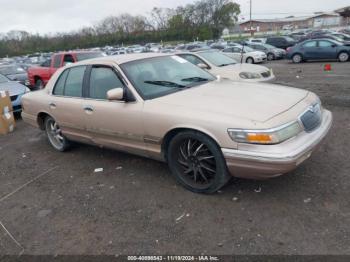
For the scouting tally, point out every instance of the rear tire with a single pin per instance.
(297, 59)
(197, 162)
(270, 57)
(54, 135)
(343, 57)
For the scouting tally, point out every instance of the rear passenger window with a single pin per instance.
(74, 82)
(102, 80)
(310, 44)
(59, 87)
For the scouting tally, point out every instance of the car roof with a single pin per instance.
(120, 59)
(76, 52)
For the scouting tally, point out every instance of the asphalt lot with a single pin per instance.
(135, 206)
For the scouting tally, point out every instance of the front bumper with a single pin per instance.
(262, 59)
(267, 161)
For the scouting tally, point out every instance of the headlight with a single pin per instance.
(267, 137)
(248, 75)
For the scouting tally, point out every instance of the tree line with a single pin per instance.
(204, 19)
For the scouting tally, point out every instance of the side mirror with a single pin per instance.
(334, 45)
(116, 94)
(203, 66)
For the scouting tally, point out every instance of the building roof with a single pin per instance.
(345, 11)
(289, 19)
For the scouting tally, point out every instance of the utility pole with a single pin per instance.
(251, 31)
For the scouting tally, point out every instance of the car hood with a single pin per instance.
(227, 71)
(256, 53)
(14, 88)
(18, 77)
(251, 101)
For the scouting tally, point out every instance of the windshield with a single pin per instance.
(90, 55)
(289, 39)
(248, 49)
(3, 79)
(269, 46)
(338, 39)
(217, 59)
(11, 70)
(159, 76)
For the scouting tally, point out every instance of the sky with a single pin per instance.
(51, 16)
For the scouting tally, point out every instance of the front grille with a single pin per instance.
(14, 98)
(312, 118)
(266, 74)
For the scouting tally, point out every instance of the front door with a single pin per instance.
(115, 124)
(327, 50)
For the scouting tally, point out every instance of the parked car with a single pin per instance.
(218, 46)
(163, 107)
(15, 73)
(319, 49)
(226, 67)
(39, 76)
(257, 40)
(245, 54)
(332, 37)
(282, 42)
(342, 36)
(271, 52)
(16, 91)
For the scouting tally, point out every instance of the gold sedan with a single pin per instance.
(163, 107)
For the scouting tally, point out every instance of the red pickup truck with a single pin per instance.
(39, 76)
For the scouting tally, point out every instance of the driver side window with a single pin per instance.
(102, 80)
(193, 59)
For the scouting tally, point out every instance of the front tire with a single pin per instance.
(250, 60)
(54, 135)
(197, 162)
(343, 57)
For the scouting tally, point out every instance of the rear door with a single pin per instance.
(116, 124)
(310, 50)
(66, 103)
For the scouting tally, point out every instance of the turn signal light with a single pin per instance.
(259, 138)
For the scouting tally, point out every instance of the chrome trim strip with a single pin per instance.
(270, 130)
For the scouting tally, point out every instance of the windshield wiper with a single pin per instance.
(195, 79)
(226, 64)
(164, 83)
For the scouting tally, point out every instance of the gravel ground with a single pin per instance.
(135, 206)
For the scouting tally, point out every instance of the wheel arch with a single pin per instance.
(176, 130)
(344, 51)
(36, 78)
(41, 119)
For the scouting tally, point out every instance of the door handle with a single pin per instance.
(52, 105)
(88, 108)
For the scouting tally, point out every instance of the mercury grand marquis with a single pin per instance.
(162, 107)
